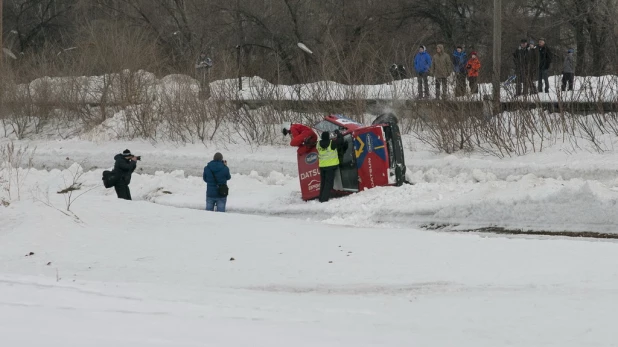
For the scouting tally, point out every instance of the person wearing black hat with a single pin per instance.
(328, 157)
(398, 72)
(123, 168)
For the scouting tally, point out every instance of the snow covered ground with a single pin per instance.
(586, 89)
(355, 271)
(148, 87)
(277, 271)
(142, 274)
(551, 191)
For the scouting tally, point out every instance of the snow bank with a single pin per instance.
(467, 201)
(127, 86)
(141, 86)
(472, 200)
(180, 277)
(587, 89)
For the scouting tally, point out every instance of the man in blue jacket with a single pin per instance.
(216, 173)
(459, 67)
(422, 64)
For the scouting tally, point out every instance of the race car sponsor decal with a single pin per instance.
(313, 185)
(371, 180)
(372, 161)
(368, 143)
(308, 170)
(311, 158)
(310, 173)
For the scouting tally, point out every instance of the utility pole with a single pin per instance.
(1, 42)
(497, 51)
(238, 47)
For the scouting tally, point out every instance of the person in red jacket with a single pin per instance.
(303, 137)
(473, 67)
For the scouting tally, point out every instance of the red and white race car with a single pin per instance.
(374, 157)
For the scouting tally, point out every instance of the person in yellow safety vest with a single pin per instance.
(328, 157)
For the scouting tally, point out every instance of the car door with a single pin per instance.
(372, 159)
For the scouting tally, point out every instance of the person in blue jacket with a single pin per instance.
(216, 173)
(460, 60)
(422, 64)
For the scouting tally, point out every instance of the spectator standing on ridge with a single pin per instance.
(125, 164)
(473, 67)
(544, 64)
(568, 70)
(303, 137)
(398, 72)
(202, 68)
(459, 66)
(533, 66)
(328, 157)
(216, 173)
(422, 64)
(441, 69)
(520, 58)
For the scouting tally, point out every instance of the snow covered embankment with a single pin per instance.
(473, 200)
(469, 201)
(138, 269)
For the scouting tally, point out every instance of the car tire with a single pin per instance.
(387, 118)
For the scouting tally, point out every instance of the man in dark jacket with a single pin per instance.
(328, 156)
(520, 58)
(216, 173)
(202, 67)
(398, 72)
(533, 66)
(544, 64)
(123, 168)
(460, 60)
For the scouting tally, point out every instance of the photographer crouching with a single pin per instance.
(123, 168)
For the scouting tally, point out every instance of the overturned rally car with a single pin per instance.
(374, 157)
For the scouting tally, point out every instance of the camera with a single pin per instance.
(138, 157)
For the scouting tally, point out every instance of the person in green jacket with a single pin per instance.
(328, 156)
(441, 69)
